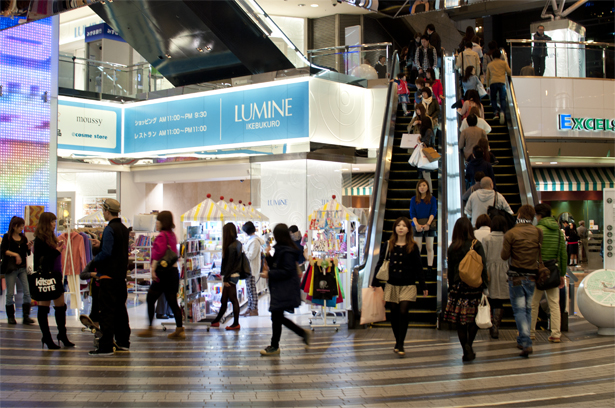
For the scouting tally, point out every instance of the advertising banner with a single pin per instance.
(84, 126)
(251, 116)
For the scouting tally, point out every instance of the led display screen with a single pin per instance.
(25, 76)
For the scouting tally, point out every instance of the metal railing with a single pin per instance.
(362, 274)
(347, 59)
(580, 59)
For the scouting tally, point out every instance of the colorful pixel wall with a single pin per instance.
(25, 76)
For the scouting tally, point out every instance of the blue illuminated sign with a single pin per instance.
(251, 116)
(100, 31)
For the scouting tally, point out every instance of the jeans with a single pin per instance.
(167, 284)
(278, 319)
(501, 89)
(11, 278)
(556, 316)
(521, 297)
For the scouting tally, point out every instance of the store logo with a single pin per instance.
(94, 121)
(567, 122)
(266, 111)
(277, 202)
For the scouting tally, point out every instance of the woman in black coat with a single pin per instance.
(284, 283)
(405, 270)
(231, 264)
(463, 299)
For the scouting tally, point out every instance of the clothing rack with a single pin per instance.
(321, 310)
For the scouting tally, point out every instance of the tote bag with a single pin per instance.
(372, 307)
(483, 316)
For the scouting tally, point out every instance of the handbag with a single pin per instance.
(372, 306)
(431, 154)
(493, 211)
(548, 272)
(481, 89)
(434, 223)
(483, 316)
(471, 268)
(170, 257)
(245, 271)
(383, 272)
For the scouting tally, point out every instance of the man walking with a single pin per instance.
(435, 41)
(583, 233)
(539, 52)
(111, 264)
(426, 56)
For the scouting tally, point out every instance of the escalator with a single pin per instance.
(401, 188)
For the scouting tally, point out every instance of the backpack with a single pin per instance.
(471, 268)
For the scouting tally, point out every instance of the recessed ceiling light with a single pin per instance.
(552, 162)
(356, 168)
(301, 5)
(313, 5)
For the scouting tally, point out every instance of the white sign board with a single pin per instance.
(85, 127)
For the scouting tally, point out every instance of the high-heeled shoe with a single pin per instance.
(49, 343)
(64, 340)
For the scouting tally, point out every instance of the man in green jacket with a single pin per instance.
(553, 247)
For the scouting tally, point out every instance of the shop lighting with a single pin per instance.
(313, 5)
(538, 162)
(199, 49)
(301, 5)
(168, 56)
(356, 168)
(208, 48)
(552, 162)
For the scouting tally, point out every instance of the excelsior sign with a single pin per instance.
(567, 122)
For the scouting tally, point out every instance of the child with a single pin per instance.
(402, 92)
(418, 96)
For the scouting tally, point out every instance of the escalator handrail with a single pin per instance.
(385, 149)
(518, 141)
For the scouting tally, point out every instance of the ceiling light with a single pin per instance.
(538, 162)
(552, 162)
(199, 49)
(208, 48)
(168, 55)
(356, 168)
(313, 5)
(301, 5)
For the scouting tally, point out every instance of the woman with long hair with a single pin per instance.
(472, 100)
(469, 79)
(284, 283)
(423, 213)
(165, 278)
(405, 269)
(231, 264)
(15, 248)
(420, 120)
(463, 299)
(47, 251)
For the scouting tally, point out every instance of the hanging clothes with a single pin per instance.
(75, 262)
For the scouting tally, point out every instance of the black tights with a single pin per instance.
(167, 284)
(399, 320)
(277, 320)
(229, 294)
(467, 333)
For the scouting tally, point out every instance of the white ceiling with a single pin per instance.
(290, 8)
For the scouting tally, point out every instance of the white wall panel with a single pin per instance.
(541, 100)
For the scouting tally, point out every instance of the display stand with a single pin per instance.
(200, 261)
(329, 231)
(142, 252)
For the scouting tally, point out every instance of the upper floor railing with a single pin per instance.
(582, 59)
(347, 59)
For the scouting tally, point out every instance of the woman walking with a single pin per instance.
(463, 299)
(47, 251)
(231, 264)
(253, 253)
(284, 283)
(165, 278)
(497, 269)
(15, 248)
(405, 269)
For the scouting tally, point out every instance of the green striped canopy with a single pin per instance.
(574, 179)
(359, 184)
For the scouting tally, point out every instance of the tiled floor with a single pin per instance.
(346, 368)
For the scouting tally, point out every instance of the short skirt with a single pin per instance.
(396, 294)
(462, 303)
(573, 248)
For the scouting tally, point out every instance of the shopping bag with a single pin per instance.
(431, 154)
(409, 140)
(425, 164)
(372, 308)
(416, 155)
(481, 90)
(30, 263)
(483, 316)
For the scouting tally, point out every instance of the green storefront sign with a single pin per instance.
(567, 122)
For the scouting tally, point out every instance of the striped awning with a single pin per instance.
(207, 210)
(574, 179)
(359, 184)
(98, 218)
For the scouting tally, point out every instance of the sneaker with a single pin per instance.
(502, 119)
(99, 352)
(122, 348)
(555, 340)
(270, 351)
(233, 327)
(496, 116)
(215, 325)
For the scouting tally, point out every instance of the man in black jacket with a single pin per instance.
(435, 41)
(539, 52)
(111, 264)
(381, 67)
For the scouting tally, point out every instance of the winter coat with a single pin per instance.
(521, 245)
(284, 281)
(252, 249)
(231, 262)
(475, 165)
(550, 249)
(496, 266)
(481, 200)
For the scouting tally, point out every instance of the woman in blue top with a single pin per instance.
(423, 213)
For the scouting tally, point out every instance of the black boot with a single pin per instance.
(496, 320)
(26, 314)
(10, 314)
(61, 323)
(43, 311)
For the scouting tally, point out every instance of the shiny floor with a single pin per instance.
(349, 368)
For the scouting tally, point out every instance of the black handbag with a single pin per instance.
(548, 272)
(45, 285)
(169, 259)
(493, 211)
(434, 223)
